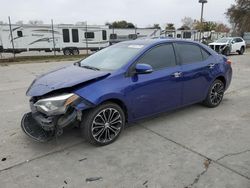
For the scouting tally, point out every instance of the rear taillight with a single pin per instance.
(229, 62)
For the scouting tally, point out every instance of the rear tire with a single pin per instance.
(75, 51)
(242, 50)
(103, 125)
(215, 94)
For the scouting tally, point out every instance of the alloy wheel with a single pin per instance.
(217, 93)
(106, 125)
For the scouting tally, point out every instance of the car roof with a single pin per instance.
(148, 42)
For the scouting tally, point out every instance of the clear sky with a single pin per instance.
(141, 12)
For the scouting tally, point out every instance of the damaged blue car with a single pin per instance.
(124, 83)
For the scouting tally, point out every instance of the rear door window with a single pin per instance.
(189, 53)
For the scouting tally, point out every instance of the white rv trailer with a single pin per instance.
(193, 34)
(68, 38)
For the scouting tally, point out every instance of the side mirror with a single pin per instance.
(143, 69)
(233, 42)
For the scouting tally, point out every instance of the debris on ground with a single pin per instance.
(4, 159)
(93, 179)
(82, 159)
(207, 163)
(145, 184)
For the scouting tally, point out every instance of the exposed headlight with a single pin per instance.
(55, 105)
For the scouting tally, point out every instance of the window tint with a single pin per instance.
(187, 35)
(178, 35)
(159, 57)
(239, 40)
(19, 33)
(189, 53)
(113, 36)
(65, 35)
(75, 36)
(104, 35)
(205, 54)
(132, 36)
(89, 35)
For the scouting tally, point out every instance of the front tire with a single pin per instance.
(103, 125)
(226, 52)
(66, 51)
(215, 94)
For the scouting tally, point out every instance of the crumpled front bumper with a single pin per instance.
(42, 127)
(32, 128)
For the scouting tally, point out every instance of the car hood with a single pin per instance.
(64, 77)
(216, 43)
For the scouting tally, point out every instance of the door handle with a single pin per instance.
(211, 66)
(177, 74)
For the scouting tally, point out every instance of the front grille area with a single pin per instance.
(217, 48)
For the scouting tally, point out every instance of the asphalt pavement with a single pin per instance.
(191, 147)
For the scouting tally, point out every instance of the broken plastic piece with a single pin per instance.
(93, 179)
(33, 129)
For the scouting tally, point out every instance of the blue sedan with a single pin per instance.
(125, 83)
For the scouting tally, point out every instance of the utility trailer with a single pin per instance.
(65, 37)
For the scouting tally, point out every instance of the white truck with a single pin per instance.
(65, 37)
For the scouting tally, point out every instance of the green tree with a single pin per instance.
(156, 26)
(239, 16)
(170, 26)
(205, 26)
(121, 24)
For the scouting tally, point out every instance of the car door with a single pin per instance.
(197, 65)
(235, 45)
(160, 90)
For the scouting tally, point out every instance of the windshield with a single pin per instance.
(111, 58)
(224, 40)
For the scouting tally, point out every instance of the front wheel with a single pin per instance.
(215, 94)
(103, 124)
(66, 51)
(226, 52)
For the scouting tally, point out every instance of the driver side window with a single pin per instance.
(159, 57)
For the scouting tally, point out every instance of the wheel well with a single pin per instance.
(221, 78)
(121, 104)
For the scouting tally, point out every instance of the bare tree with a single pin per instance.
(187, 22)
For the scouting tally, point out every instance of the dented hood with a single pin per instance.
(64, 77)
